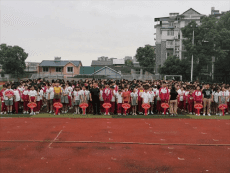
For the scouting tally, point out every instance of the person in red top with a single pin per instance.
(126, 98)
(164, 95)
(190, 102)
(139, 93)
(3, 107)
(198, 98)
(107, 94)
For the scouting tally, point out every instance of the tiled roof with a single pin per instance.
(101, 63)
(47, 63)
(88, 69)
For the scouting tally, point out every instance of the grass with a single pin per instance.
(68, 115)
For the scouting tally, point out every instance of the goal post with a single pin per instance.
(172, 77)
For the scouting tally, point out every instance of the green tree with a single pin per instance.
(129, 62)
(174, 66)
(146, 57)
(211, 38)
(13, 60)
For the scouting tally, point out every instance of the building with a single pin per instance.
(217, 13)
(98, 72)
(102, 61)
(128, 58)
(118, 62)
(58, 67)
(169, 36)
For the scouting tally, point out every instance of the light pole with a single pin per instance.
(192, 53)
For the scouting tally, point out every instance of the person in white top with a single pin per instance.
(49, 98)
(119, 101)
(33, 98)
(112, 109)
(222, 98)
(134, 100)
(228, 99)
(70, 89)
(152, 96)
(84, 95)
(181, 98)
(16, 98)
(216, 94)
(8, 99)
(76, 95)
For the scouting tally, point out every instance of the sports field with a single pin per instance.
(77, 143)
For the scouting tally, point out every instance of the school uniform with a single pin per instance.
(181, 99)
(228, 103)
(77, 97)
(16, 100)
(33, 94)
(119, 102)
(185, 97)
(101, 102)
(126, 99)
(140, 92)
(41, 98)
(190, 103)
(164, 95)
(151, 95)
(222, 95)
(70, 89)
(159, 109)
(25, 97)
(37, 109)
(134, 97)
(146, 97)
(64, 96)
(197, 98)
(112, 109)
(8, 101)
(84, 96)
(3, 107)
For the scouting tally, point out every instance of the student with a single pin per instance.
(41, 98)
(126, 98)
(190, 102)
(152, 96)
(112, 109)
(8, 99)
(101, 100)
(198, 98)
(140, 92)
(119, 99)
(17, 98)
(134, 100)
(25, 99)
(222, 98)
(32, 98)
(164, 95)
(215, 100)
(145, 96)
(181, 93)
(186, 97)
(207, 98)
(76, 95)
(173, 101)
(57, 94)
(65, 98)
(70, 90)
(49, 98)
(3, 106)
(159, 110)
(227, 97)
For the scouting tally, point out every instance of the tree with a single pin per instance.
(174, 66)
(129, 62)
(13, 60)
(211, 38)
(146, 57)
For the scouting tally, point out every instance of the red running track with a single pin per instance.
(61, 153)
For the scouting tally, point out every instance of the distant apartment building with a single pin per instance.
(217, 13)
(169, 36)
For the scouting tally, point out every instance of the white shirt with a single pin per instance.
(146, 97)
(21, 89)
(157, 94)
(32, 93)
(25, 92)
(119, 97)
(227, 95)
(151, 96)
(17, 95)
(5, 97)
(51, 92)
(113, 97)
(77, 95)
(101, 92)
(134, 94)
(41, 94)
(215, 96)
(181, 93)
(70, 89)
(38, 96)
(222, 94)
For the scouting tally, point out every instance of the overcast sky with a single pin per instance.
(85, 30)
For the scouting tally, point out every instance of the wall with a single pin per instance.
(76, 70)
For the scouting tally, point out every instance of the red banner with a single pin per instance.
(146, 106)
(83, 106)
(198, 106)
(165, 106)
(32, 105)
(222, 107)
(126, 106)
(57, 105)
(106, 106)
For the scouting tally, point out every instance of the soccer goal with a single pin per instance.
(173, 77)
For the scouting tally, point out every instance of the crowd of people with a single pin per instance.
(181, 96)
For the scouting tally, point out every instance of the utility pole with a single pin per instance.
(192, 55)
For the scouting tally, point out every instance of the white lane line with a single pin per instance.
(54, 139)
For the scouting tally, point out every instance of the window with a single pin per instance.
(170, 43)
(170, 23)
(170, 33)
(58, 69)
(45, 69)
(69, 69)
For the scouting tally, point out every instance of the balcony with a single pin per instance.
(170, 46)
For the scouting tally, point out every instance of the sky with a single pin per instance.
(86, 30)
